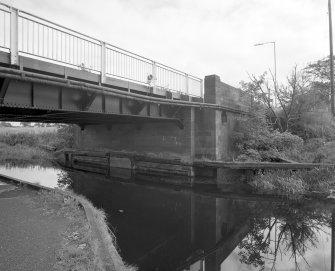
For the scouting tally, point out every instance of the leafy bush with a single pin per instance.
(324, 154)
(250, 155)
(63, 137)
(256, 141)
(316, 125)
(284, 141)
(12, 139)
(313, 144)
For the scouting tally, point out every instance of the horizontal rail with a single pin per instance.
(23, 33)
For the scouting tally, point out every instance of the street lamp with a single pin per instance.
(331, 58)
(275, 61)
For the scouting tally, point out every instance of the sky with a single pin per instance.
(201, 37)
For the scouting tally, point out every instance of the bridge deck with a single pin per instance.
(49, 73)
(47, 68)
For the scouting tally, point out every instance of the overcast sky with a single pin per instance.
(201, 37)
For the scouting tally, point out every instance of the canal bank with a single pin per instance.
(47, 229)
(174, 228)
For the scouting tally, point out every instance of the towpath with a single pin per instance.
(29, 235)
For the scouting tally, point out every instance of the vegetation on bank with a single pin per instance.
(258, 142)
(80, 247)
(31, 145)
(21, 154)
(300, 128)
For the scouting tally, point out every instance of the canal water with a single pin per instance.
(164, 228)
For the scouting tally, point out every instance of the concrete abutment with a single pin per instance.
(206, 134)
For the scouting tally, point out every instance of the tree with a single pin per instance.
(258, 88)
(289, 97)
(318, 75)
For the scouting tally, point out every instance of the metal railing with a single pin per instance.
(22, 33)
(4, 27)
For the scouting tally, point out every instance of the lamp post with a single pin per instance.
(275, 61)
(331, 59)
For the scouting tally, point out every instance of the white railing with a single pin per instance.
(4, 28)
(22, 33)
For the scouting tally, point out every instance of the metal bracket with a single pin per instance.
(3, 90)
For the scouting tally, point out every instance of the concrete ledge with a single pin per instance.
(259, 165)
(104, 245)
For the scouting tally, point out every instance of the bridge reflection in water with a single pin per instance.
(159, 228)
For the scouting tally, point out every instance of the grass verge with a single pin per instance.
(81, 249)
(20, 155)
(27, 145)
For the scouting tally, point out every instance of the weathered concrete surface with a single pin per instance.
(148, 138)
(29, 238)
(214, 129)
(207, 133)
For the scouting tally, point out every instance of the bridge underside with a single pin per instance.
(27, 101)
(80, 118)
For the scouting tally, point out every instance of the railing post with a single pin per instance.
(103, 62)
(202, 90)
(14, 37)
(154, 77)
(186, 84)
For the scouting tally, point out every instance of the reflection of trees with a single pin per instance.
(288, 230)
(64, 181)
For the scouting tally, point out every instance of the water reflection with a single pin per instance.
(284, 240)
(167, 229)
(164, 229)
(46, 176)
